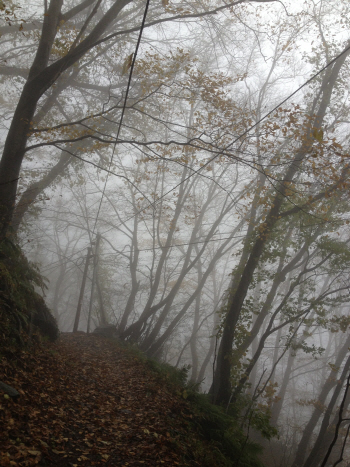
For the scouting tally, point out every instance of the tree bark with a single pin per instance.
(310, 426)
(317, 451)
(41, 78)
(221, 388)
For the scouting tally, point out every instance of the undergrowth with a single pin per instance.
(22, 309)
(225, 442)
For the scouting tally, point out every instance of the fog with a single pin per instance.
(206, 146)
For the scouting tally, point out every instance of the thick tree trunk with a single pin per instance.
(41, 78)
(221, 388)
(19, 131)
(14, 151)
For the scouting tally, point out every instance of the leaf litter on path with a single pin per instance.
(86, 401)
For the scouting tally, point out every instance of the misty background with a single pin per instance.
(200, 153)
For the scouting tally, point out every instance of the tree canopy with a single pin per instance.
(188, 162)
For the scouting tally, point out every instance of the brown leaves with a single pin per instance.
(85, 401)
(317, 133)
(127, 64)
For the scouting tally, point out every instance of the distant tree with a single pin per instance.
(84, 31)
(318, 412)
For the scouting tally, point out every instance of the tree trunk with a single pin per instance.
(317, 451)
(41, 78)
(221, 389)
(317, 413)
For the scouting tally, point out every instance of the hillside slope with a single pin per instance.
(87, 401)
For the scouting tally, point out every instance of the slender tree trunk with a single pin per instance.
(318, 411)
(193, 340)
(221, 391)
(317, 450)
(154, 345)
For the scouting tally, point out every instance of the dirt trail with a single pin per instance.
(87, 402)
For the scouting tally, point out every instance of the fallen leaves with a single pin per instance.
(86, 401)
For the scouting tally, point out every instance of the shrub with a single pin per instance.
(21, 307)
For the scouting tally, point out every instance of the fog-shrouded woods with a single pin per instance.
(192, 158)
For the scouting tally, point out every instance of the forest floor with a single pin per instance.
(87, 401)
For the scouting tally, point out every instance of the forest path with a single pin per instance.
(85, 401)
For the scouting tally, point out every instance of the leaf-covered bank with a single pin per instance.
(85, 400)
